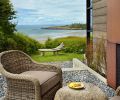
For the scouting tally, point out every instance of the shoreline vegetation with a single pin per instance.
(75, 26)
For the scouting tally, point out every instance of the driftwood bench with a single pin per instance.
(54, 50)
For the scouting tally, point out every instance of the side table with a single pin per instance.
(91, 92)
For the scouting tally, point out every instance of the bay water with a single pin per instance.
(36, 32)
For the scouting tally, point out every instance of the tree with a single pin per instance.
(7, 14)
(9, 40)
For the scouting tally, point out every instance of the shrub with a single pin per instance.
(6, 42)
(51, 43)
(1, 41)
(72, 44)
(19, 41)
(10, 43)
(26, 43)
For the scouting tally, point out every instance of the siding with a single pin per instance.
(99, 34)
(99, 17)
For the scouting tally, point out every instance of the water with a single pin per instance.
(39, 34)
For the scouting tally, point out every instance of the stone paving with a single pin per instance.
(69, 76)
(86, 76)
(62, 64)
(2, 86)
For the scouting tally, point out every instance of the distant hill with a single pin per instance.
(75, 26)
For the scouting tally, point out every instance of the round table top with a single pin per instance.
(91, 92)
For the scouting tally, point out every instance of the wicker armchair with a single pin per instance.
(117, 97)
(28, 80)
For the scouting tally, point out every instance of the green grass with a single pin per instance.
(71, 38)
(49, 57)
(72, 44)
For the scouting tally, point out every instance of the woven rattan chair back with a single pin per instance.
(15, 61)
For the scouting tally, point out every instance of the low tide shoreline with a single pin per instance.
(75, 26)
(42, 35)
(59, 28)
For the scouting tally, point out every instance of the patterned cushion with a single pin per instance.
(47, 79)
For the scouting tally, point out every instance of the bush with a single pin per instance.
(19, 41)
(26, 43)
(72, 44)
(51, 43)
(2, 40)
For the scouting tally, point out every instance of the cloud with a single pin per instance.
(50, 11)
(24, 4)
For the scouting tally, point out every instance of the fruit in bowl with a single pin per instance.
(76, 85)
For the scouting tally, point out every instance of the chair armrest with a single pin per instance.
(118, 91)
(18, 84)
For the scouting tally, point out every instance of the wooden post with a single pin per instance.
(89, 46)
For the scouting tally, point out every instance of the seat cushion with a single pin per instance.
(47, 79)
(115, 98)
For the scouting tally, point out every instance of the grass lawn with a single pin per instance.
(49, 57)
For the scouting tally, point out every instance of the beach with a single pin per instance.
(36, 32)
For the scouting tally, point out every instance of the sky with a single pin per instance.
(49, 12)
